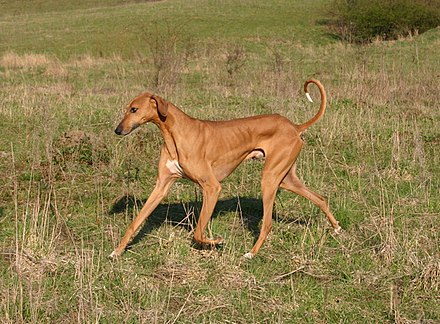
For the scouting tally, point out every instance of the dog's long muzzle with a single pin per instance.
(121, 130)
(118, 130)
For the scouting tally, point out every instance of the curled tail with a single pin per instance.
(321, 110)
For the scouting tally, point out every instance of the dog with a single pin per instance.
(206, 152)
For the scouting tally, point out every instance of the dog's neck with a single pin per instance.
(171, 129)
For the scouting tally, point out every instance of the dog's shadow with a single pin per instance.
(187, 214)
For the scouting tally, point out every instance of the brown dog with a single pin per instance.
(206, 152)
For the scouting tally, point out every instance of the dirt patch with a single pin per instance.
(80, 147)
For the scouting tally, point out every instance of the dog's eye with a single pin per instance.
(133, 109)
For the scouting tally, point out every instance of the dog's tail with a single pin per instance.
(321, 110)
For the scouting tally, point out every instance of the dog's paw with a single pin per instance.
(219, 241)
(113, 255)
(248, 255)
(338, 230)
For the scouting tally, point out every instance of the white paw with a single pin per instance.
(113, 255)
(338, 230)
(248, 255)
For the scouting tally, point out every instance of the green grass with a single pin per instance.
(70, 187)
(124, 29)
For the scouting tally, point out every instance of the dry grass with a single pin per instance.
(26, 61)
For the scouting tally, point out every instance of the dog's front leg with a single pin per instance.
(164, 182)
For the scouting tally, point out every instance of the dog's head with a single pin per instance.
(142, 109)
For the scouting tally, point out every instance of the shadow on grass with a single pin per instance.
(187, 214)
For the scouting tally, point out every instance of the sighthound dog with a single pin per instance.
(206, 152)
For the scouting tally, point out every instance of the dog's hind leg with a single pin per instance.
(274, 170)
(292, 183)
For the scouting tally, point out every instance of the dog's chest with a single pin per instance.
(175, 168)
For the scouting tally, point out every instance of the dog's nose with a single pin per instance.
(118, 131)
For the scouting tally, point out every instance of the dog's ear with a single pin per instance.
(161, 105)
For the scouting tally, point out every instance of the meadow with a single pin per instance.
(69, 187)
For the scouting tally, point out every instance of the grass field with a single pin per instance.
(70, 187)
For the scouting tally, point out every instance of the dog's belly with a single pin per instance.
(224, 166)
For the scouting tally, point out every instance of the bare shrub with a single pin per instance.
(279, 77)
(168, 51)
(235, 59)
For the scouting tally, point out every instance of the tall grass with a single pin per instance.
(70, 187)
